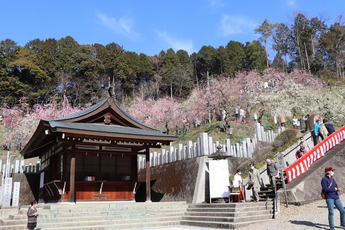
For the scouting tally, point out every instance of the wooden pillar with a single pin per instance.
(72, 176)
(148, 176)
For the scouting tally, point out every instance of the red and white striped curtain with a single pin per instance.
(304, 163)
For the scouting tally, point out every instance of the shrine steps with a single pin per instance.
(228, 215)
(109, 216)
(94, 216)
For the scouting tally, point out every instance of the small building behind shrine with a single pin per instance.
(92, 155)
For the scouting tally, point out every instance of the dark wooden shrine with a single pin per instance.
(92, 155)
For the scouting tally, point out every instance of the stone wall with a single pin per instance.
(185, 180)
(174, 181)
(27, 193)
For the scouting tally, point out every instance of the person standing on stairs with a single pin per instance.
(255, 180)
(317, 132)
(272, 172)
(32, 215)
(237, 183)
(329, 127)
(329, 185)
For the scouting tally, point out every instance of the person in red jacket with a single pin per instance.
(301, 152)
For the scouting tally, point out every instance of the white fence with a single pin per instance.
(206, 146)
(18, 166)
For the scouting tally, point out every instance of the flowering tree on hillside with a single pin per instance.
(161, 114)
(21, 121)
(272, 92)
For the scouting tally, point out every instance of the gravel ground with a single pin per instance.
(305, 217)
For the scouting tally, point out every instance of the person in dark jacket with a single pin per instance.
(329, 185)
(328, 126)
(272, 172)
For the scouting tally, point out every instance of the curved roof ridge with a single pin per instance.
(84, 111)
(107, 128)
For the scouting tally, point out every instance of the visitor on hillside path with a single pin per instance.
(242, 115)
(197, 123)
(305, 118)
(5, 146)
(255, 181)
(272, 172)
(282, 120)
(223, 114)
(294, 122)
(301, 152)
(329, 127)
(237, 111)
(32, 215)
(304, 143)
(317, 132)
(330, 187)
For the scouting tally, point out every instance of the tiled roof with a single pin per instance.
(84, 111)
(96, 127)
(95, 107)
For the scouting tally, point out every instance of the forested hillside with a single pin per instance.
(84, 72)
(173, 89)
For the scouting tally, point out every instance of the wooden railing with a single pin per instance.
(304, 163)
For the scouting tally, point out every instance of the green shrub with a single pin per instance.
(286, 138)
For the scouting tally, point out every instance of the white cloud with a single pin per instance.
(235, 25)
(291, 2)
(176, 44)
(216, 3)
(121, 26)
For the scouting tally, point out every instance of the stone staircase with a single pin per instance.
(136, 215)
(267, 193)
(108, 216)
(228, 215)
(96, 216)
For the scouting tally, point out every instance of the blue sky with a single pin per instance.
(150, 26)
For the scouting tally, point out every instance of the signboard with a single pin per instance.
(7, 192)
(219, 178)
(280, 162)
(16, 190)
(41, 179)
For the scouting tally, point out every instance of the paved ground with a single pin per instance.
(305, 217)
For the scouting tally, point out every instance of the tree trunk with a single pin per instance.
(306, 56)
(267, 63)
(171, 88)
(113, 89)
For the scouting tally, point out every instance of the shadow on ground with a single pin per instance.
(308, 223)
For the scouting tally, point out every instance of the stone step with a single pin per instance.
(231, 209)
(94, 216)
(228, 214)
(8, 222)
(232, 205)
(116, 205)
(110, 222)
(221, 225)
(14, 227)
(101, 224)
(97, 216)
(121, 226)
(228, 219)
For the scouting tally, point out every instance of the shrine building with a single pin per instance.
(92, 155)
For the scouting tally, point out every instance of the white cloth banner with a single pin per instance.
(219, 178)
